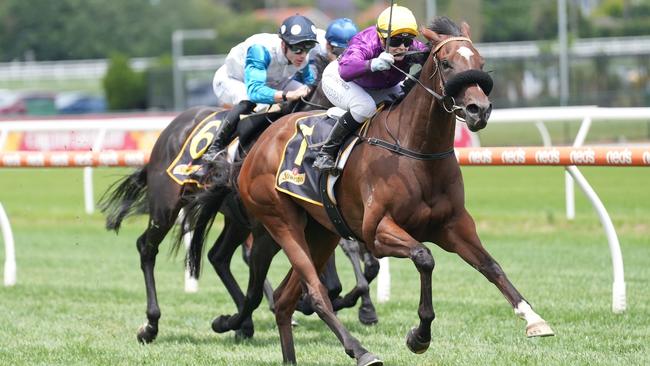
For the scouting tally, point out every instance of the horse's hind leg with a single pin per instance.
(162, 217)
(330, 278)
(220, 255)
(367, 313)
(304, 261)
(462, 239)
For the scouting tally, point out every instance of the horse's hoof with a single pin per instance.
(368, 359)
(414, 344)
(220, 324)
(147, 333)
(244, 333)
(367, 315)
(539, 329)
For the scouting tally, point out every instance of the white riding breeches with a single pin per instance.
(232, 91)
(362, 103)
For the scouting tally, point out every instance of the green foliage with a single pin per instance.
(86, 29)
(124, 88)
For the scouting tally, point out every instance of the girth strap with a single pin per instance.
(333, 211)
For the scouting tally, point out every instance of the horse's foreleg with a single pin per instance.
(392, 240)
(462, 239)
(220, 255)
(262, 253)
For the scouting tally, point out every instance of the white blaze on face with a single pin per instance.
(465, 52)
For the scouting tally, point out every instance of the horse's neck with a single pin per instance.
(420, 123)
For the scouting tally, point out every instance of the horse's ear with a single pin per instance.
(430, 35)
(464, 28)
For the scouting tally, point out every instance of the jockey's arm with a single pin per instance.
(354, 63)
(257, 62)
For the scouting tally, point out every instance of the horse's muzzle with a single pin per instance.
(477, 115)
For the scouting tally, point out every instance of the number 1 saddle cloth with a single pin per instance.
(295, 175)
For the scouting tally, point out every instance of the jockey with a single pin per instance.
(331, 43)
(263, 69)
(363, 77)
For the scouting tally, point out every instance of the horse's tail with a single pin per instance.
(199, 214)
(124, 198)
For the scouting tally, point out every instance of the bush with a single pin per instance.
(125, 89)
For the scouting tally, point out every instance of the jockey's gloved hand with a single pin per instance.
(303, 91)
(382, 62)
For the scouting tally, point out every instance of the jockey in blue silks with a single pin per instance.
(263, 69)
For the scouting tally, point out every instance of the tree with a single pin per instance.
(124, 88)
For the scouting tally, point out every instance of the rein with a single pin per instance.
(448, 103)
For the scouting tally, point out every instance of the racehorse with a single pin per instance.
(401, 186)
(150, 190)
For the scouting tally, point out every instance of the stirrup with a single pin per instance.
(325, 163)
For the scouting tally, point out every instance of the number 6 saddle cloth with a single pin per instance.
(188, 167)
(296, 176)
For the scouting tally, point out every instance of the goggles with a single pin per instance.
(337, 51)
(401, 40)
(300, 48)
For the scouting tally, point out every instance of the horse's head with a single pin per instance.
(456, 69)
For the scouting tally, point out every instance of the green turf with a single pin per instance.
(80, 294)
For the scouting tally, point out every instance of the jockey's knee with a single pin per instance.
(360, 113)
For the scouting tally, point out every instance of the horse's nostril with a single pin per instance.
(473, 109)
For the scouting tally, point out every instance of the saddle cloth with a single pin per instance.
(188, 167)
(295, 175)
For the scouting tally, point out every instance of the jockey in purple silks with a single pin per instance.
(363, 76)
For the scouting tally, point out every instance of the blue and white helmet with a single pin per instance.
(297, 29)
(340, 31)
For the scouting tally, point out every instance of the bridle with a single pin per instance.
(447, 101)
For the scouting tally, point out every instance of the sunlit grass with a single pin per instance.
(80, 293)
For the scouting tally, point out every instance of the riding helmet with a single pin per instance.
(340, 31)
(297, 29)
(403, 21)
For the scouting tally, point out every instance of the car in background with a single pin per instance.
(200, 94)
(79, 103)
(10, 103)
(27, 103)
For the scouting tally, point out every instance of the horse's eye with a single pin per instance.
(445, 64)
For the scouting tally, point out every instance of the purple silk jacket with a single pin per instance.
(354, 64)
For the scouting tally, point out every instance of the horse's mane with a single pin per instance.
(444, 25)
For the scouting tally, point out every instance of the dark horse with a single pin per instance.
(401, 187)
(150, 190)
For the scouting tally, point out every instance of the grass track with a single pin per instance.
(80, 294)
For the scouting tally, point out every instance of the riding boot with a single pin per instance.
(326, 158)
(228, 127)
